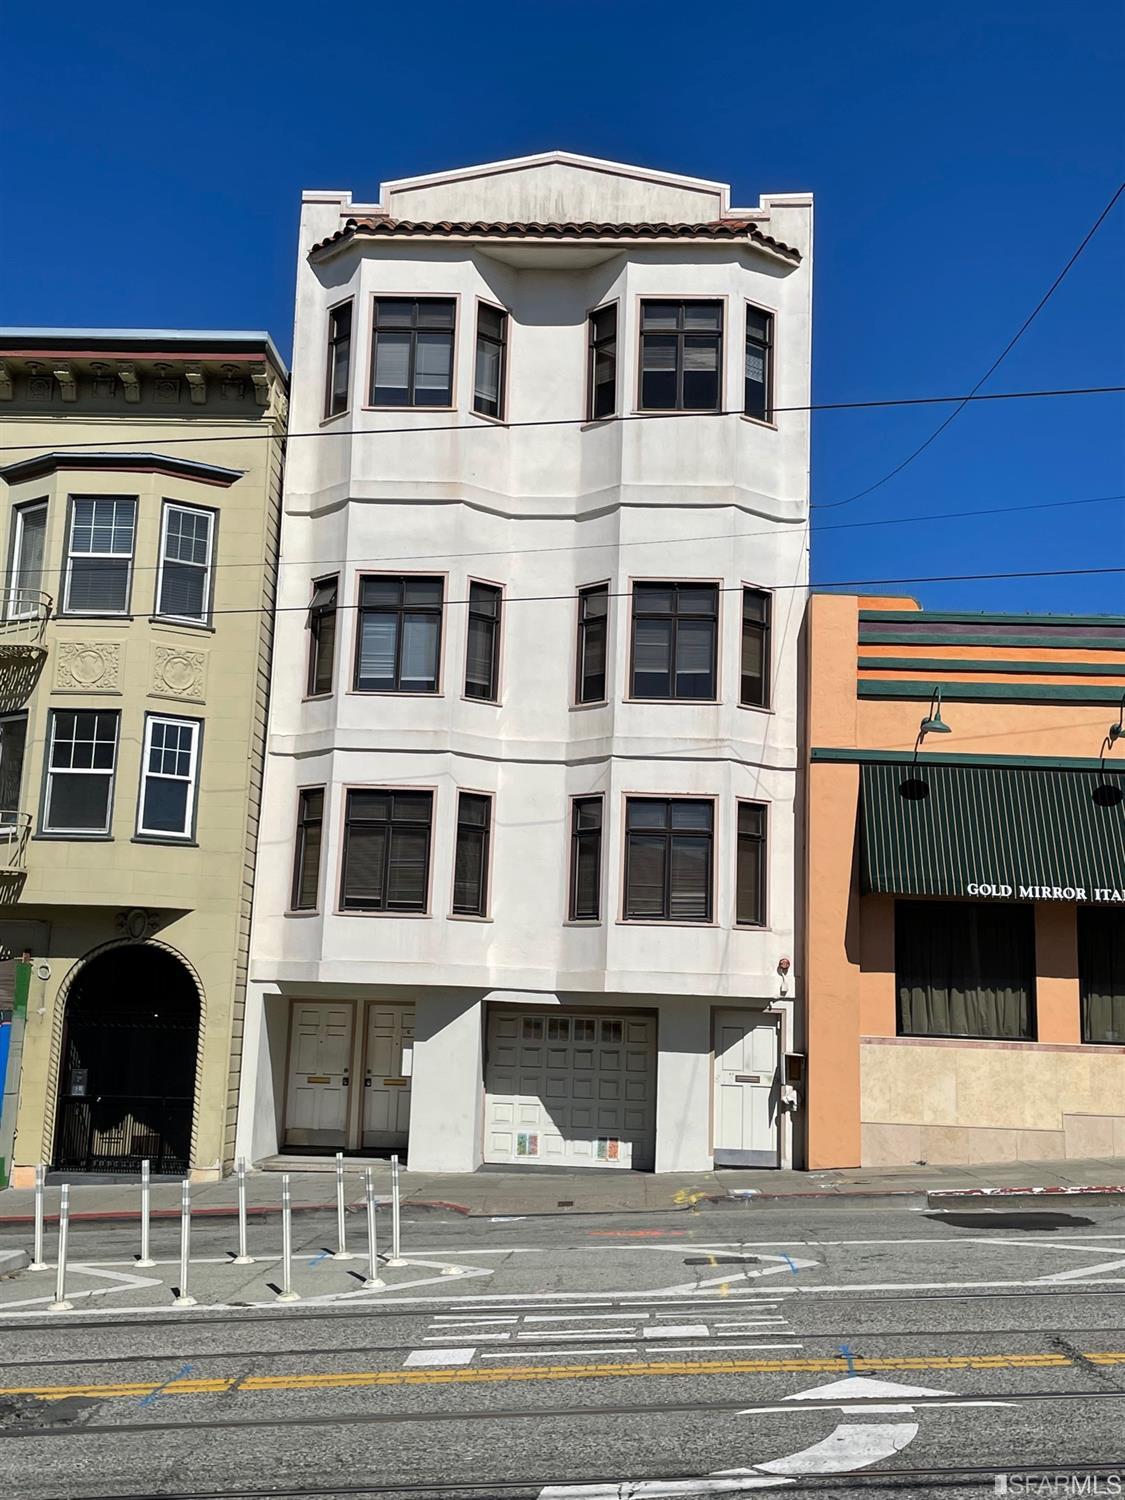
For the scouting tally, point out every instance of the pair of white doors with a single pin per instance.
(747, 1089)
(328, 1053)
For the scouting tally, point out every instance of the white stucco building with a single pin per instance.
(526, 874)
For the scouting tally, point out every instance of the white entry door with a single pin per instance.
(320, 1050)
(570, 1090)
(747, 1090)
(386, 1082)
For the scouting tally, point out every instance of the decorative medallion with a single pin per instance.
(179, 673)
(88, 667)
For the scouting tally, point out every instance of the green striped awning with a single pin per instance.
(1006, 831)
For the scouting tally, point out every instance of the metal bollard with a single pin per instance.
(374, 1280)
(242, 1258)
(342, 1252)
(37, 1261)
(287, 1294)
(395, 1257)
(146, 1203)
(185, 1299)
(60, 1304)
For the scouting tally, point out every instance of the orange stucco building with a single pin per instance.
(964, 911)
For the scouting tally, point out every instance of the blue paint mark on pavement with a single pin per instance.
(316, 1260)
(788, 1259)
(162, 1389)
(850, 1357)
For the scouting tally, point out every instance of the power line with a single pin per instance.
(715, 536)
(487, 426)
(1007, 349)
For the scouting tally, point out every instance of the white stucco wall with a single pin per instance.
(541, 511)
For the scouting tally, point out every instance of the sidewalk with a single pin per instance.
(535, 1191)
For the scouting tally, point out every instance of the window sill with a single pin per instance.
(304, 912)
(168, 622)
(694, 702)
(758, 708)
(336, 415)
(768, 423)
(482, 702)
(165, 840)
(357, 692)
(483, 416)
(416, 410)
(583, 922)
(592, 423)
(397, 916)
(465, 916)
(661, 922)
(751, 926)
(72, 838)
(595, 703)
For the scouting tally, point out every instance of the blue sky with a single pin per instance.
(154, 158)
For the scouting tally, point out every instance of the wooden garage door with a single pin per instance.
(570, 1090)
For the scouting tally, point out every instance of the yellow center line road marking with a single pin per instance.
(345, 1379)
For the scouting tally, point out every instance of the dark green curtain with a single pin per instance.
(965, 969)
(1101, 971)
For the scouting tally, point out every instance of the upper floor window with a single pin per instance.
(386, 864)
(754, 691)
(306, 854)
(470, 863)
(759, 364)
(81, 765)
(99, 560)
(668, 859)
(412, 358)
(169, 776)
(491, 372)
(585, 859)
(593, 620)
(601, 367)
(681, 355)
(29, 538)
(322, 636)
(338, 375)
(482, 649)
(675, 639)
(183, 586)
(750, 878)
(399, 646)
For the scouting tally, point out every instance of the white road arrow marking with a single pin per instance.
(888, 1394)
(786, 1264)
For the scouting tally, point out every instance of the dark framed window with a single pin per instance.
(754, 689)
(81, 767)
(13, 741)
(593, 623)
(669, 855)
(675, 640)
(337, 378)
(169, 778)
(412, 351)
(470, 860)
(305, 894)
(322, 636)
(1101, 974)
(386, 864)
(750, 875)
(490, 371)
(585, 859)
(183, 584)
(99, 561)
(601, 363)
(482, 646)
(681, 356)
(28, 556)
(398, 645)
(965, 969)
(758, 401)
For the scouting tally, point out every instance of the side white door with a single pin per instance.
(387, 1070)
(320, 1051)
(747, 1089)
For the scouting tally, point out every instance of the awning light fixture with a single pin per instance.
(933, 723)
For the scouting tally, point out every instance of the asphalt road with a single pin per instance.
(820, 1350)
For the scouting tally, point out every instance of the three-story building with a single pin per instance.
(141, 480)
(527, 885)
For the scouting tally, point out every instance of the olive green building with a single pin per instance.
(140, 480)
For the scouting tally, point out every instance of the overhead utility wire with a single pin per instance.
(617, 545)
(1007, 349)
(483, 425)
(723, 588)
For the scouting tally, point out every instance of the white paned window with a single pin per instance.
(169, 777)
(28, 546)
(183, 590)
(99, 559)
(81, 764)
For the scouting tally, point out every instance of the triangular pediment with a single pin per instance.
(556, 187)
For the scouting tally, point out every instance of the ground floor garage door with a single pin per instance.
(570, 1090)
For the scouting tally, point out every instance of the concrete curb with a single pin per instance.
(1025, 1197)
(12, 1261)
(221, 1211)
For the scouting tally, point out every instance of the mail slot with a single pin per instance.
(394, 1083)
(317, 1078)
(747, 1078)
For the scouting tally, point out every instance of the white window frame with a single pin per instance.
(204, 617)
(52, 770)
(71, 555)
(19, 515)
(187, 833)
